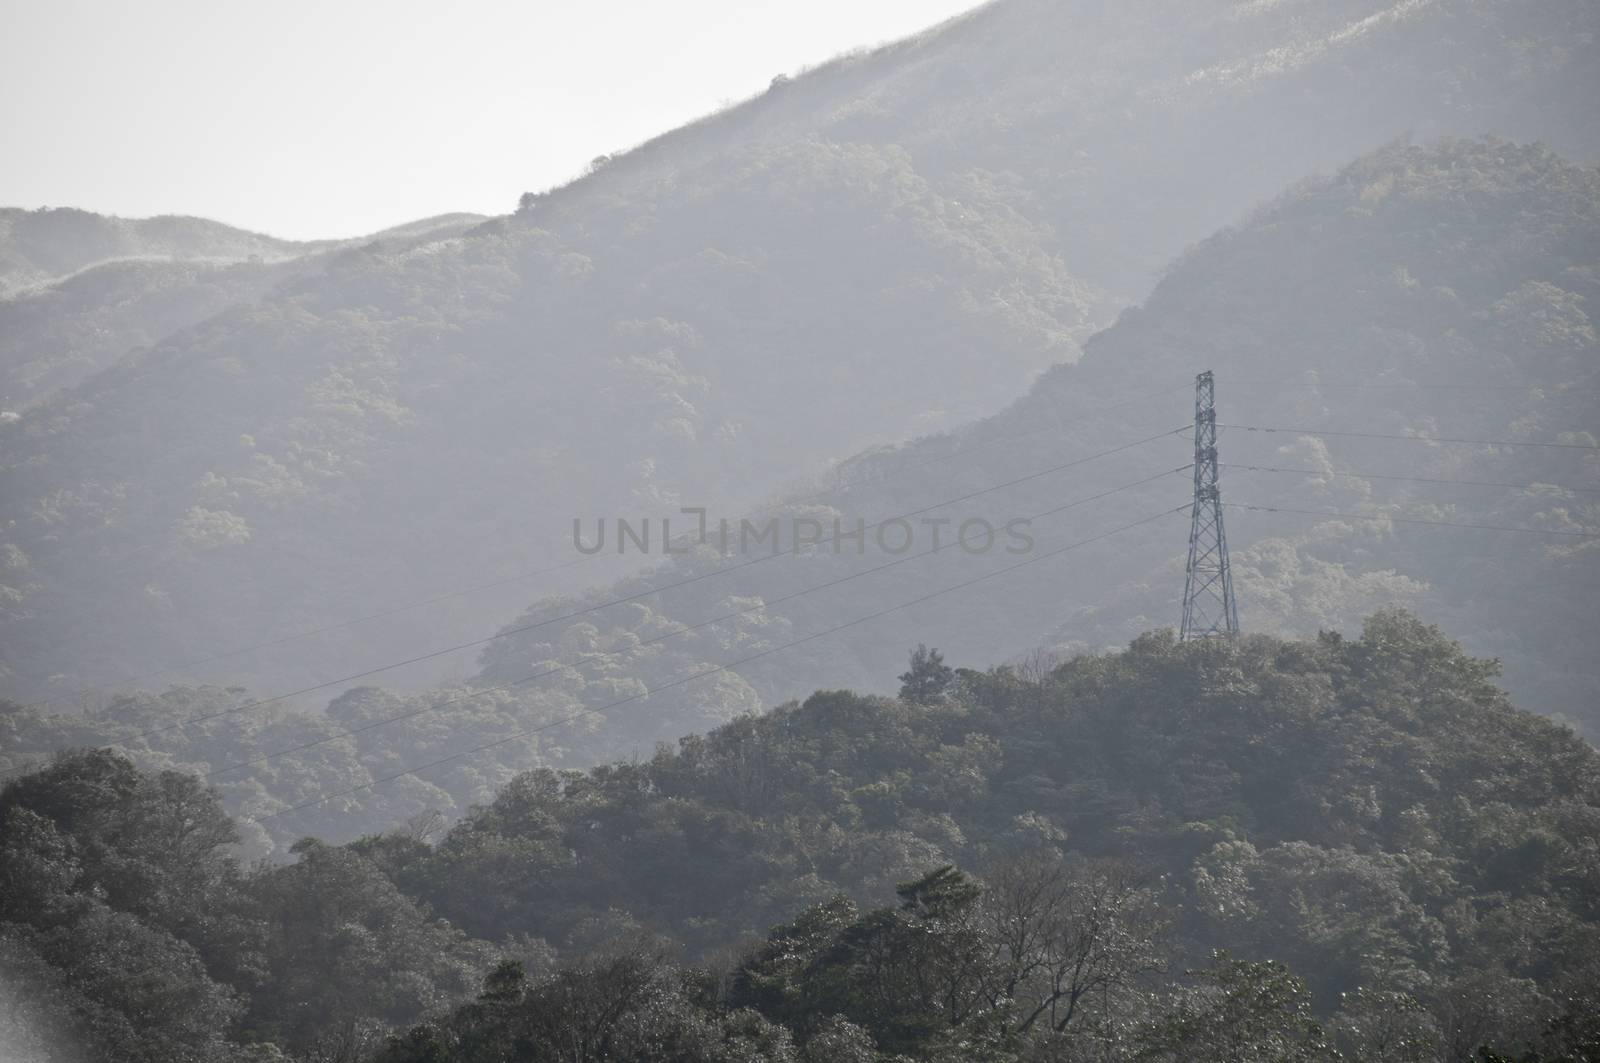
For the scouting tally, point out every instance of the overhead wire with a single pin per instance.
(1410, 439)
(1306, 378)
(648, 592)
(899, 470)
(590, 658)
(1382, 517)
(603, 709)
(966, 448)
(834, 489)
(1408, 479)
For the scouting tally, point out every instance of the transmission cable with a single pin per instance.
(519, 577)
(1409, 479)
(1413, 520)
(729, 666)
(417, 659)
(1551, 390)
(592, 657)
(1411, 439)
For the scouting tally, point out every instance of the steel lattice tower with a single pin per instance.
(1208, 606)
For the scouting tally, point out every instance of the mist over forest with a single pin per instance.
(357, 704)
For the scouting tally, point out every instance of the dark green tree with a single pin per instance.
(1238, 1012)
(929, 679)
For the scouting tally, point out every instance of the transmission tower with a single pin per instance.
(1208, 607)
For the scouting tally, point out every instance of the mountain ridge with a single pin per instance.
(59, 330)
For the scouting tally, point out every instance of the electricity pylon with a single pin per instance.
(1208, 606)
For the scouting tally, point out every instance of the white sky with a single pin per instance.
(320, 118)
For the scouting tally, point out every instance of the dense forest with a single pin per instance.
(892, 244)
(1252, 850)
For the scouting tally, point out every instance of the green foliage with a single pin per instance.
(1239, 1012)
(136, 993)
(1401, 865)
(929, 679)
(342, 942)
(1369, 811)
(116, 884)
(1387, 1025)
(120, 885)
(621, 1004)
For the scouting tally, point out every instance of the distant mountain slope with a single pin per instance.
(145, 279)
(39, 246)
(1474, 266)
(55, 335)
(889, 245)
(48, 244)
(1132, 129)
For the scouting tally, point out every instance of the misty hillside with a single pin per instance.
(889, 245)
(1466, 263)
(1441, 290)
(136, 282)
(40, 246)
(1129, 130)
(57, 334)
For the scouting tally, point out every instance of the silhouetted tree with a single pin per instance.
(928, 681)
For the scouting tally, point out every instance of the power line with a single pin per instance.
(1412, 439)
(204, 717)
(601, 710)
(1414, 520)
(1411, 479)
(839, 488)
(405, 607)
(1552, 390)
(591, 657)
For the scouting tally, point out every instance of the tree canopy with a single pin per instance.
(1257, 849)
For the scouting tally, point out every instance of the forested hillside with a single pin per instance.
(58, 334)
(129, 283)
(42, 246)
(1439, 290)
(996, 865)
(1467, 264)
(889, 245)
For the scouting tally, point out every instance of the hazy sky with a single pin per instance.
(339, 117)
